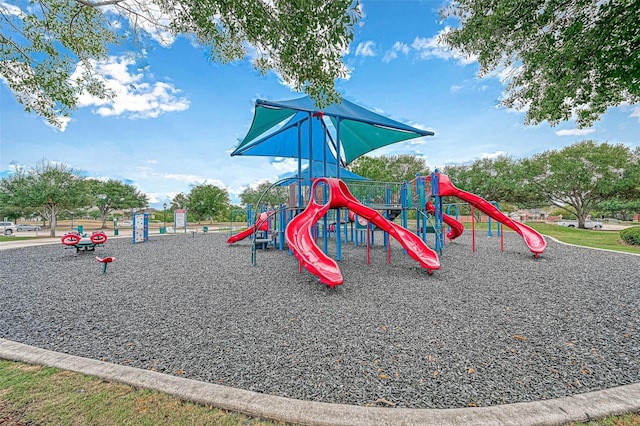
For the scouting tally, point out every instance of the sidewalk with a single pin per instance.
(39, 239)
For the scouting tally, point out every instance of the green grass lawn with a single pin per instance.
(609, 240)
(13, 238)
(35, 395)
(49, 396)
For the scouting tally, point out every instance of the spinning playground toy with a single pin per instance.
(75, 239)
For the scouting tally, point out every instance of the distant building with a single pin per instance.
(533, 215)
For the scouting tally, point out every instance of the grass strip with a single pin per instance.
(36, 395)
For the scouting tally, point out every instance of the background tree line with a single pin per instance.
(581, 179)
(50, 189)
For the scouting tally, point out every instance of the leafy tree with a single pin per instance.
(48, 188)
(495, 179)
(560, 58)
(623, 210)
(209, 200)
(180, 201)
(394, 168)
(580, 176)
(45, 43)
(96, 214)
(265, 193)
(115, 195)
(374, 168)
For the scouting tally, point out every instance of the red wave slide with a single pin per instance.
(262, 224)
(304, 248)
(532, 238)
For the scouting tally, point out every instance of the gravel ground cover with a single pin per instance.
(488, 328)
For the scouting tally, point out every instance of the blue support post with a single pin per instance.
(249, 215)
(435, 192)
(449, 213)
(497, 206)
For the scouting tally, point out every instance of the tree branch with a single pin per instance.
(99, 3)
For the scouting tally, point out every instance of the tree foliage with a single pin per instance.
(115, 195)
(619, 209)
(48, 188)
(208, 201)
(581, 175)
(495, 179)
(264, 193)
(180, 201)
(560, 58)
(394, 168)
(42, 44)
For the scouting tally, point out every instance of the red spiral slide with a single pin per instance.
(304, 248)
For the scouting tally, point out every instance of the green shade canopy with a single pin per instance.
(297, 129)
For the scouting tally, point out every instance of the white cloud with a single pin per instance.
(366, 48)
(492, 155)
(575, 132)
(636, 113)
(180, 177)
(455, 87)
(398, 47)
(429, 48)
(133, 96)
(285, 165)
(10, 9)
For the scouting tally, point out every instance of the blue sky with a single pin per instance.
(178, 115)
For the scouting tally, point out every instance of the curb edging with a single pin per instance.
(582, 407)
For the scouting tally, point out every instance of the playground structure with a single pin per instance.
(329, 140)
(333, 211)
(80, 241)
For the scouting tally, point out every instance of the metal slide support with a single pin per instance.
(299, 203)
(283, 226)
(387, 201)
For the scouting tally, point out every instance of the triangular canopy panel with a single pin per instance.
(282, 129)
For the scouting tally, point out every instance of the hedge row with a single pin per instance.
(631, 235)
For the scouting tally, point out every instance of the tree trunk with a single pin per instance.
(104, 220)
(581, 215)
(53, 221)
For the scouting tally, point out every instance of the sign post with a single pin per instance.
(180, 220)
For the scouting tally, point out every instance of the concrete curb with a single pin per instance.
(583, 407)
